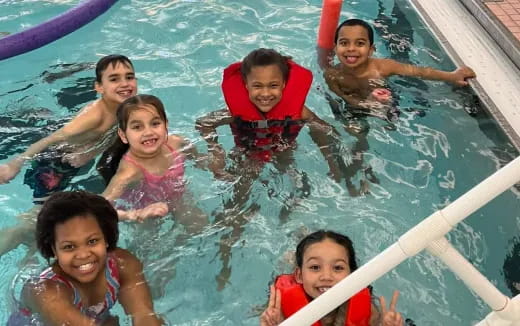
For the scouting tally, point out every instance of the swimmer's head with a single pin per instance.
(323, 259)
(113, 60)
(265, 57)
(115, 79)
(356, 22)
(61, 207)
(322, 235)
(265, 72)
(139, 102)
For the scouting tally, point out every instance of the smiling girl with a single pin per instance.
(89, 273)
(324, 258)
(146, 170)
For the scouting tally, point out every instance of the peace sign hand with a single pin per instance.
(390, 317)
(272, 316)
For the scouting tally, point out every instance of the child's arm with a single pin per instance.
(207, 126)
(124, 178)
(272, 315)
(389, 67)
(81, 124)
(48, 297)
(187, 147)
(134, 294)
(322, 134)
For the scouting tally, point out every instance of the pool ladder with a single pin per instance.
(429, 235)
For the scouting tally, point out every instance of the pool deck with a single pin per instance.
(508, 13)
(484, 35)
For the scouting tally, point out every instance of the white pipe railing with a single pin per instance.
(468, 273)
(421, 236)
(505, 317)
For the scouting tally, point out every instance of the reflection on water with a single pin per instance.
(179, 49)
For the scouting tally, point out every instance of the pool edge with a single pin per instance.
(499, 100)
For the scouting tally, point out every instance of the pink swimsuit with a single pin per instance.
(168, 187)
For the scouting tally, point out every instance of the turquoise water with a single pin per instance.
(179, 49)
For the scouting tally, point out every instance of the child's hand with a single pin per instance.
(77, 159)
(153, 210)
(390, 317)
(8, 171)
(382, 95)
(272, 316)
(461, 75)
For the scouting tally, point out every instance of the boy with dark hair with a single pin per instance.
(353, 78)
(57, 158)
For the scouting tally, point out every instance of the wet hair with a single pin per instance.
(112, 59)
(109, 161)
(322, 235)
(63, 206)
(356, 22)
(265, 57)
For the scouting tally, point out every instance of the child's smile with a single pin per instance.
(265, 85)
(117, 83)
(80, 248)
(353, 48)
(146, 131)
(325, 263)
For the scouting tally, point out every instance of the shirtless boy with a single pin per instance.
(358, 78)
(57, 158)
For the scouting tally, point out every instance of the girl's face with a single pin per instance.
(80, 248)
(265, 85)
(324, 264)
(145, 131)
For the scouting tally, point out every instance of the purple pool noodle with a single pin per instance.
(53, 29)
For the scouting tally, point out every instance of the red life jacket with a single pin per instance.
(271, 131)
(294, 298)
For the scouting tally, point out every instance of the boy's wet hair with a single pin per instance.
(322, 235)
(109, 161)
(113, 59)
(264, 57)
(63, 206)
(356, 22)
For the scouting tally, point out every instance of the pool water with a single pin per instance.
(179, 49)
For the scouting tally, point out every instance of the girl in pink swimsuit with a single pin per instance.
(149, 177)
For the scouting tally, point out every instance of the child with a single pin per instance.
(146, 165)
(89, 273)
(58, 157)
(357, 79)
(323, 259)
(265, 96)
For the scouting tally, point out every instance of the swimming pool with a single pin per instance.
(179, 49)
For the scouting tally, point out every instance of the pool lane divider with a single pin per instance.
(53, 29)
(330, 12)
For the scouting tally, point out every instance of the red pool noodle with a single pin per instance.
(328, 23)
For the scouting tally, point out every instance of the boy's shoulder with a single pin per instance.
(332, 71)
(92, 117)
(93, 111)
